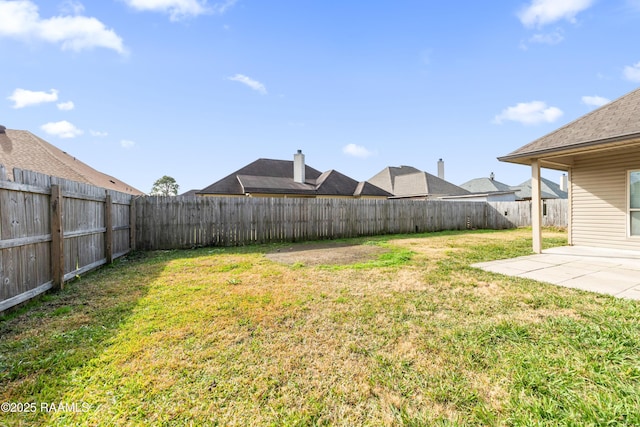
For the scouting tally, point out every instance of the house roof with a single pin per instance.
(190, 193)
(548, 190)
(365, 188)
(485, 185)
(614, 122)
(263, 168)
(407, 181)
(22, 149)
(273, 184)
(268, 176)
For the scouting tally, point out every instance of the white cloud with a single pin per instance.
(595, 101)
(543, 12)
(126, 143)
(23, 97)
(529, 113)
(357, 151)
(98, 133)
(632, 72)
(62, 129)
(253, 84)
(66, 106)
(20, 20)
(180, 9)
(70, 7)
(548, 38)
(221, 8)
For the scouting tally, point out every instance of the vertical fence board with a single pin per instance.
(40, 247)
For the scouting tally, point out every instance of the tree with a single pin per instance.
(165, 186)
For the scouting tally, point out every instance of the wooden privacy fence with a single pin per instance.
(555, 212)
(181, 222)
(52, 229)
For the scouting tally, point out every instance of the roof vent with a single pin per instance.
(2, 129)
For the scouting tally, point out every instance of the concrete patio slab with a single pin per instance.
(608, 271)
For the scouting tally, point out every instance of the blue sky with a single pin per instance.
(196, 89)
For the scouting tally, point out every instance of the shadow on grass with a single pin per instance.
(44, 342)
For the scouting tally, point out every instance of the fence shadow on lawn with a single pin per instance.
(52, 338)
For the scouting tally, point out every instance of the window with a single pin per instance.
(634, 203)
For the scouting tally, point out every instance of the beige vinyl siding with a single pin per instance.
(599, 199)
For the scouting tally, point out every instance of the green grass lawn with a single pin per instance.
(413, 336)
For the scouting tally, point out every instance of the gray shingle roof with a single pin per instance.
(22, 149)
(407, 181)
(268, 176)
(274, 185)
(548, 190)
(265, 168)
(484, 185)
(613, 122)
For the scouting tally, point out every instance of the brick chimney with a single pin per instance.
(298, 167)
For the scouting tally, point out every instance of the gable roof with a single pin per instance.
(268, 176)
(365, 188)
(407, 181)
(616, 121)
(22, 149)
(262, 169)
(484, 185)
(548, 190)
(273, 184)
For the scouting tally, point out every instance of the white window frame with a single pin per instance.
(629, 208)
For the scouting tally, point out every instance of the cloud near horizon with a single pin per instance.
(632, 72)
(21, 20)
(62, 129)
(595, 101)
(529, 113)
(23, 97)
(66, 106)
(543, 12)
(127, 143)
(357, 151)
(180, 9)
(248, 81)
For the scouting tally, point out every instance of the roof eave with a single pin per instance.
(526, 157)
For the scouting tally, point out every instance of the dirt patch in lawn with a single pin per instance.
(326, 253)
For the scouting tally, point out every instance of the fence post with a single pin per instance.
(108, 223)
(132, 223)
(57, 238)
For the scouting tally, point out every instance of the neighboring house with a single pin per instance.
(23, 150)
(285, 178)
(406, 182)
(486, 190)
(601, 153)
(548, 190)
(190, 193)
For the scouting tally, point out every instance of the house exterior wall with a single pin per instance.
(599, 205)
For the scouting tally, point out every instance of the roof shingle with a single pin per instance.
(620, 119)
(22, 149)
